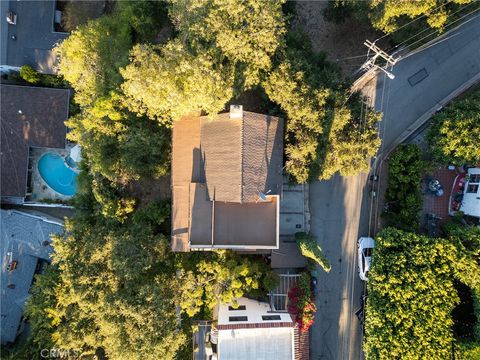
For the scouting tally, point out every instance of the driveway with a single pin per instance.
(340, 208)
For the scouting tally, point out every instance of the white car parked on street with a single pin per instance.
(365, 250)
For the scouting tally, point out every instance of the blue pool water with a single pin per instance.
(57, 175)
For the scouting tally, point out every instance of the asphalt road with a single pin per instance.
(340, 207)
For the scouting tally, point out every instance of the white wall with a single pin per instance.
(253, 311)
(471, 201)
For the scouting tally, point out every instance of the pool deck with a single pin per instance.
(40, 191)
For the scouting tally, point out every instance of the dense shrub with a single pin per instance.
(410, 297)
(455, 132)
(403, 196)
(310, 249)
(28, 74)
(302, 303)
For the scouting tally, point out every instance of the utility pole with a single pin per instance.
(379, 53)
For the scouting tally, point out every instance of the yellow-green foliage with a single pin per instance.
(411, 296)
(324, 133)
(169, 81)
(305, 108)
(386, 15)
(28, 74)
(455, 132)
(223, 277)
(310, 249)
(91, 56)
(111, 286)
(245, 32)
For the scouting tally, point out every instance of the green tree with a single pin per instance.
(410, 297)
(90, 57)
(168, 82)
(352, 139)
(454, 132)
(118, 144)
(145, 17)
(325, 133)
(388, 15)
(305, 108)
(115, 290)
(247, 33)
(224, 277)
(310, 249)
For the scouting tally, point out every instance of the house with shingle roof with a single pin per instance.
(25, 248)
(227, 181)
(30, 117)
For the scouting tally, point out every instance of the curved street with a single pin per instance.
(340, 208)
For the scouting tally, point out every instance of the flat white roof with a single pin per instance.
(258, 344)
(471, 200)
(253, 311)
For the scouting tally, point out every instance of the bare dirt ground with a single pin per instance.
(342, 42)
(148, 190)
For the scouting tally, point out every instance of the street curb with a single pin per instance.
(306, 206)
(438, 106)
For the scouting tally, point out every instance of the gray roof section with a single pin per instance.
(242, 156)
(22, 237)
(35, 38)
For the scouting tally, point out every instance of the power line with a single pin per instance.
(428, 28)
(412, 21)
(437, 31)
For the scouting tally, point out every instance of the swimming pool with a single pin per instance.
(57, 174)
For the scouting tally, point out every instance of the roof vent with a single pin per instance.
(236, 111)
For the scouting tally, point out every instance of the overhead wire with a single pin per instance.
(428, 28)
(437, 31)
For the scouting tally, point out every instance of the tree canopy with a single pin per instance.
(455, 132)
(326, 132)
(114, 290)
(247, 33)
(410, 297)
(119, 144)
(170, 81)
(310, 249)
(388, 15)
(222, 277)
(90, 57)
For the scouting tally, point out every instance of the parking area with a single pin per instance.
(294, 217)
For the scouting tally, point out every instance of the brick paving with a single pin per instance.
(438, 205)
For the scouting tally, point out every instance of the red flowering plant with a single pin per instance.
(302, 303)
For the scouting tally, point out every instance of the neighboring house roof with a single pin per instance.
(22, 240)
(260, 335)
(219, 166)
(29, 117)
(471, 196)
(34, 35)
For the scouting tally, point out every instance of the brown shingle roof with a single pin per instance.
(218, 168)
(29, 116)
(242, 156)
